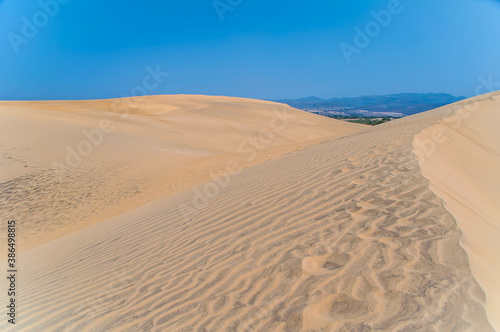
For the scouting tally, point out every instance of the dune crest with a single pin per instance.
(461, 158)
(344, 235)
(65, 165)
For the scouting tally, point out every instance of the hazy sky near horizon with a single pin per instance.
(260, 49)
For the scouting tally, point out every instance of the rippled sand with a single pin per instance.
(344, 234)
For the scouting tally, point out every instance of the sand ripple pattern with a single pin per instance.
(342, 236)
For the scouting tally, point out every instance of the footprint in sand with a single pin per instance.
(325, 264)
(334, 309)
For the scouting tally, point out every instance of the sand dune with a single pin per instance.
(65, 165)
(461, 157)
(343, 235)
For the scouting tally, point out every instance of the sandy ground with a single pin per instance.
(65, 165)
(461, 157)
(343, 235)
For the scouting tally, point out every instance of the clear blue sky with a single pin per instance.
(262, 49)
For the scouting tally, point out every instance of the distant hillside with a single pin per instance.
(397, 104)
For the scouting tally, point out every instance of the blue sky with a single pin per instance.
(261, 49)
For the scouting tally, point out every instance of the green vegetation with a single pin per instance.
(366, 120)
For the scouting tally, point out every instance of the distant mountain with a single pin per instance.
(403, 104)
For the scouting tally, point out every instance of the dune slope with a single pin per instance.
(345, 235)
(461, 157)
(65, 165)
